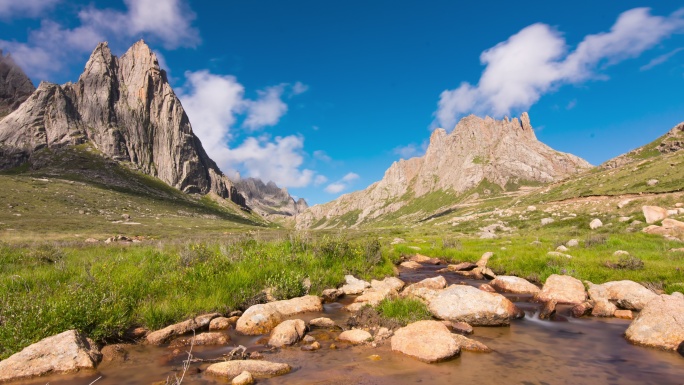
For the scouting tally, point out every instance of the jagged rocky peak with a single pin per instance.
(15, 86)
(269, 199)
(125, 108)
(502, 152)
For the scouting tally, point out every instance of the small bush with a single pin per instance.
(594, 240)
(627, 262)
(451, 243)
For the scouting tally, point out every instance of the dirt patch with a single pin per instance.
(368, 317)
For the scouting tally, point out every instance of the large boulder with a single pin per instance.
(562, 289)
(660, 324)
(379, 290)
(434, 283)
(164, 335)
(461, 303)
(654, 214)
(516, 285)
(66, 352)
(287, 333)
(428, 341)
(626, 294)
(355, 336)
(261, 319)
(353, 285)
(258, 369)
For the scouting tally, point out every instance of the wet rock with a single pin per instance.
(467, 304)
(136, 333)
(582, 309)
(654, 214)
(308, 339)
(484, 259)
(516, 285)
(322, 322)
(164, 335)
(680, 349)
(474, 274)
(244, 378)
(572, 243)
(624, 314)
(463, 266)
(427, 341)
(470, 345)
(114, 353)
(487, 287)
(458, 327)
(660, 324)
(355, 336)
(256, 356)
(221, 323)
(287, 333)
(547, 310)
(261, 319)
(331, 295)
(626, 294)
(69, 351)
(603, 308)
(382, 334)
(310, 348)
(562, 289)
(424, 294)
(378, 291)
(425, 259)
(595, 224)
(389, 283)
(353, 285)
(258, 369)
(485, 272)
(411, 265)
(208, 338)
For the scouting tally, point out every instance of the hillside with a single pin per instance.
(481, 156)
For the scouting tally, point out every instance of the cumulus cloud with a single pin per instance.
(342, 184)
(216, 103)
(168, 22)
(25, 8)
(536, 60)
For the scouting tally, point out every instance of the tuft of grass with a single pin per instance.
(403, 310)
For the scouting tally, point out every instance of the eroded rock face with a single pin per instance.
(626, 294)
(562, 289)
(258, 369)
(460, 303)
(164, 335)
(660, 324)
(126, 108)
(269, 199)
(261, 319)
(65, 352)
(15, 86)
(511, 284)
(427, 341)
(500, 151)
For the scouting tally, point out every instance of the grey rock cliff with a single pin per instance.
(15, 86)
(125, 108)
(269, 199)
(502, 152)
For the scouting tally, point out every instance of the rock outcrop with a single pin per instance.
(15, 86)
(660, 324)
(258, 369)
(268, 199)
(504, 153)
(427, 341)
(562, 289)
(65, 352)
(461, 303)
(127, 110)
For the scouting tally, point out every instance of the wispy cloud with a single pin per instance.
(536, 60)
(411, 150)
(215, 104)
(51, 47)
(661, 59)
(322, 156)
(342, 184)
(12, 9)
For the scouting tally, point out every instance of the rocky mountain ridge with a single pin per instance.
(479, 151)
(127, 110)
(15, 86)
(268, 199)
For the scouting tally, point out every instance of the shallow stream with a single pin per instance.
(565, 350)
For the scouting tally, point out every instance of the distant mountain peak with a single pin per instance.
(15, 86)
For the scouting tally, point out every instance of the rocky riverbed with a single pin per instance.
(548, 335)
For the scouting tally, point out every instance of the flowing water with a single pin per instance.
(531, 351)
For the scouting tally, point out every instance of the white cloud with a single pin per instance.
(411, 150)
(341, 184)
(321, 155)
(49, 48)
(536, 60)
(24, 8)
(267, 109)
(661, 59)
(319, 180)
(215, 103)
(299, 88)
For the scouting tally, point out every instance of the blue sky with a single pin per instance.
(323, 96)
